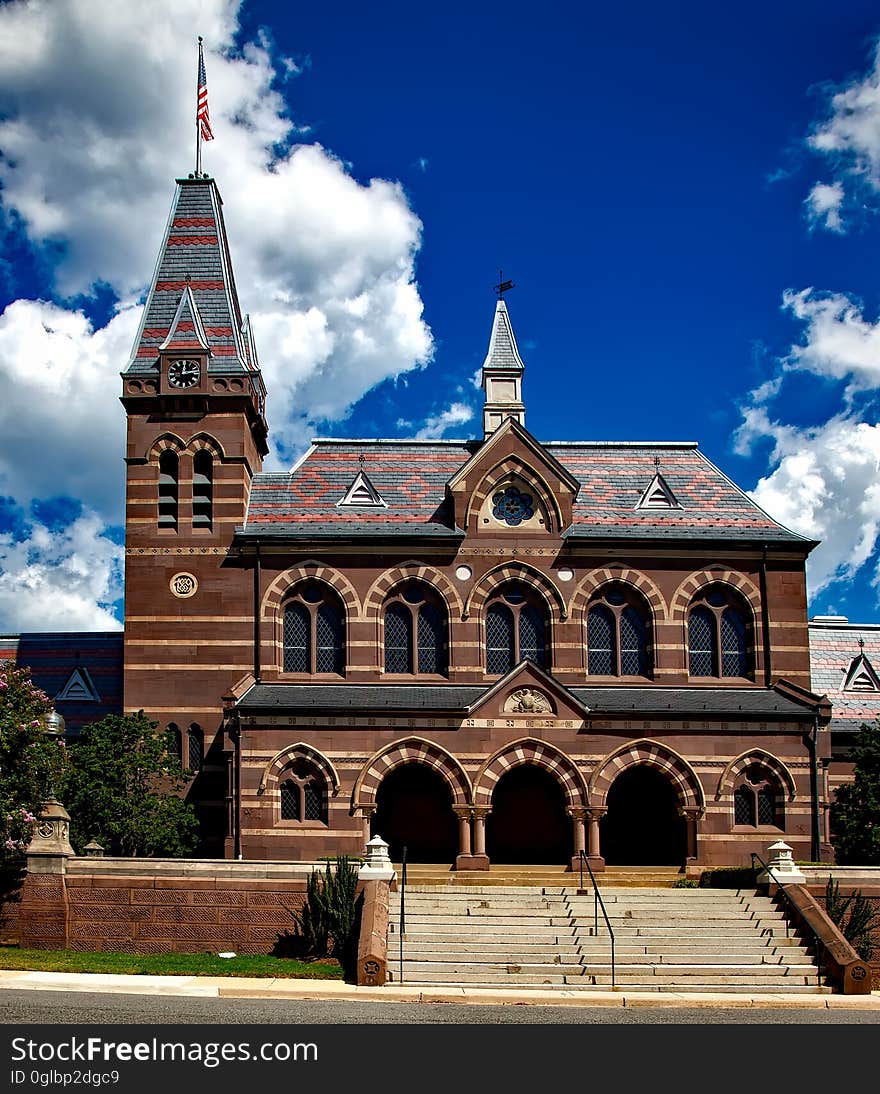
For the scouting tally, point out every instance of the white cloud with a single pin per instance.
(96, 114)
(437, 425)
(825, 480)
(63, 581)
(849, 139)
(823, 205)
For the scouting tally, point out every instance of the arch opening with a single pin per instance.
(643, 825)
(528, 823)
(414, 810)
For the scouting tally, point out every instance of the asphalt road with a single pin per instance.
(28, 1007)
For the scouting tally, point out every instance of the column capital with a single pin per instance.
(480, 812)
(463, 811)
(578, 812)
(596, 814)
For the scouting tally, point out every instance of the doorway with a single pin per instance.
(642, 826)
(528, 823)
(414, 810)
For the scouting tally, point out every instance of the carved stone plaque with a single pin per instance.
(527, 701)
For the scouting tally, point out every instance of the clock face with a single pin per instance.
(183, 373)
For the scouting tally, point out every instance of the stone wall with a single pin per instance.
(865, 879)
(161, 905)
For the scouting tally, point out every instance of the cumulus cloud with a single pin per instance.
(437, 425)
(825, 480)
(63, 581)
(96, 115)
(849, 140)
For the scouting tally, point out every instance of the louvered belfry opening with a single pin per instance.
(203, 490)
(169, 473)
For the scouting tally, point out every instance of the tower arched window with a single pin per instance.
(203, 490)
(416, 632)
(757, 799)
(314, 630)
(303, 793)
(195, 747)
(169, 476)
(719, 635)
(618, 634)
(516, 629)
(172, 736)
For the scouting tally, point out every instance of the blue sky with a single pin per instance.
(685, 197)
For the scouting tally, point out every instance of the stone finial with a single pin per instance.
(782, 869)
(94, 849)
(51, 831)
(377, 863)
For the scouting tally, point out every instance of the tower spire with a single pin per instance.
(502, 370)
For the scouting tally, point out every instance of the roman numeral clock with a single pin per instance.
(184, 373)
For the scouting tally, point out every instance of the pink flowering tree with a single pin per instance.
(30, 762)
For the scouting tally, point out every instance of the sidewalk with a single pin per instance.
(231, 987)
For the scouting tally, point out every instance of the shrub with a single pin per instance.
(326, 924)
(685, 883)
(729, 877)
(855, 916)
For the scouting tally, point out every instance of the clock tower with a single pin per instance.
(195, 404)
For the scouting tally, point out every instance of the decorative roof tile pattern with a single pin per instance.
(833, 648)
(195, 255)
(411, 477)
(53, 657)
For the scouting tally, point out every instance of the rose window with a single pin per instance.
(512, 506)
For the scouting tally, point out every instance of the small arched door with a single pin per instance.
(414, 810)
(643, 825)
(528, 822)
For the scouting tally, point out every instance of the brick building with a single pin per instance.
(490, 650)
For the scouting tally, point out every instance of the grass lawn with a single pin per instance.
(167, 964)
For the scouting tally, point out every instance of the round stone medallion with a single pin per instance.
(184, 586)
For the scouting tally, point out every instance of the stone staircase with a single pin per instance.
(675, 940)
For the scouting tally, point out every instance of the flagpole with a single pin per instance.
(198, 122)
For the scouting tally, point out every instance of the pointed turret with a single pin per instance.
(194, 261)
(502, 375)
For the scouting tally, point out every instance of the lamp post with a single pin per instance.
(51, 838)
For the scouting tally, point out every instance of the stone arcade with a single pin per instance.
(497, 650)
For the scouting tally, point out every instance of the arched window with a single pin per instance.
(172, 736)
(757, 799)
(516, 629)
(203, 490)
(303, 793)
(169, 474)
(618, 634)
(314, 630)
(195, 747)
(416, 631)
(719, 634)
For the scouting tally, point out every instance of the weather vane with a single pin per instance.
(503, 286)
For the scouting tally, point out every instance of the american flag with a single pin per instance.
(202, 115)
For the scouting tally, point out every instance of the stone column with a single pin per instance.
(577, 814)
(691, 815)
(466, 860)
(367, 812)
(597, 863)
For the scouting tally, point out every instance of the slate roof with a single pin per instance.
(411, 477)
(833, 648)
(53, 657)
(733, 703)
(194, 246)
(503, 352)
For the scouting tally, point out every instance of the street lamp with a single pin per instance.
(51, 838)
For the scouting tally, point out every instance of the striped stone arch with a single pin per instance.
(273, 770)
(604, 575)
(755, 756)
(161, 444)
(515, 571)
(691, 585)
(499, 473)
(649, 754)
(406, 751)
(408, 571)
(274, 596)
(203, 441)
(529, 750)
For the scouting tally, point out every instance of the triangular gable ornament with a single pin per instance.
(188, 314)
(362, 493)
(78, 688)
(861, 675)
(658, 495)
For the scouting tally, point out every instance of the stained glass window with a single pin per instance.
(701, 643)
(398, 639)
(512, 506)
(733, 644)
(499, 639)
(297, 638)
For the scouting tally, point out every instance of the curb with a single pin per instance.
(312, 990)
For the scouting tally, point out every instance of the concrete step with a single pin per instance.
(629, 988)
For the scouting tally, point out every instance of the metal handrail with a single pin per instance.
(818, 944)
(402, 926)
(597, 903)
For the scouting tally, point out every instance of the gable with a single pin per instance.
(529, 696)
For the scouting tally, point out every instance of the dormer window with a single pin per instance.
(658, 495)
(362, 494)
(861, 676)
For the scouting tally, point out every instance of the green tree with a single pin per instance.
(123, 788)
(31, 763)
(855, 813)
